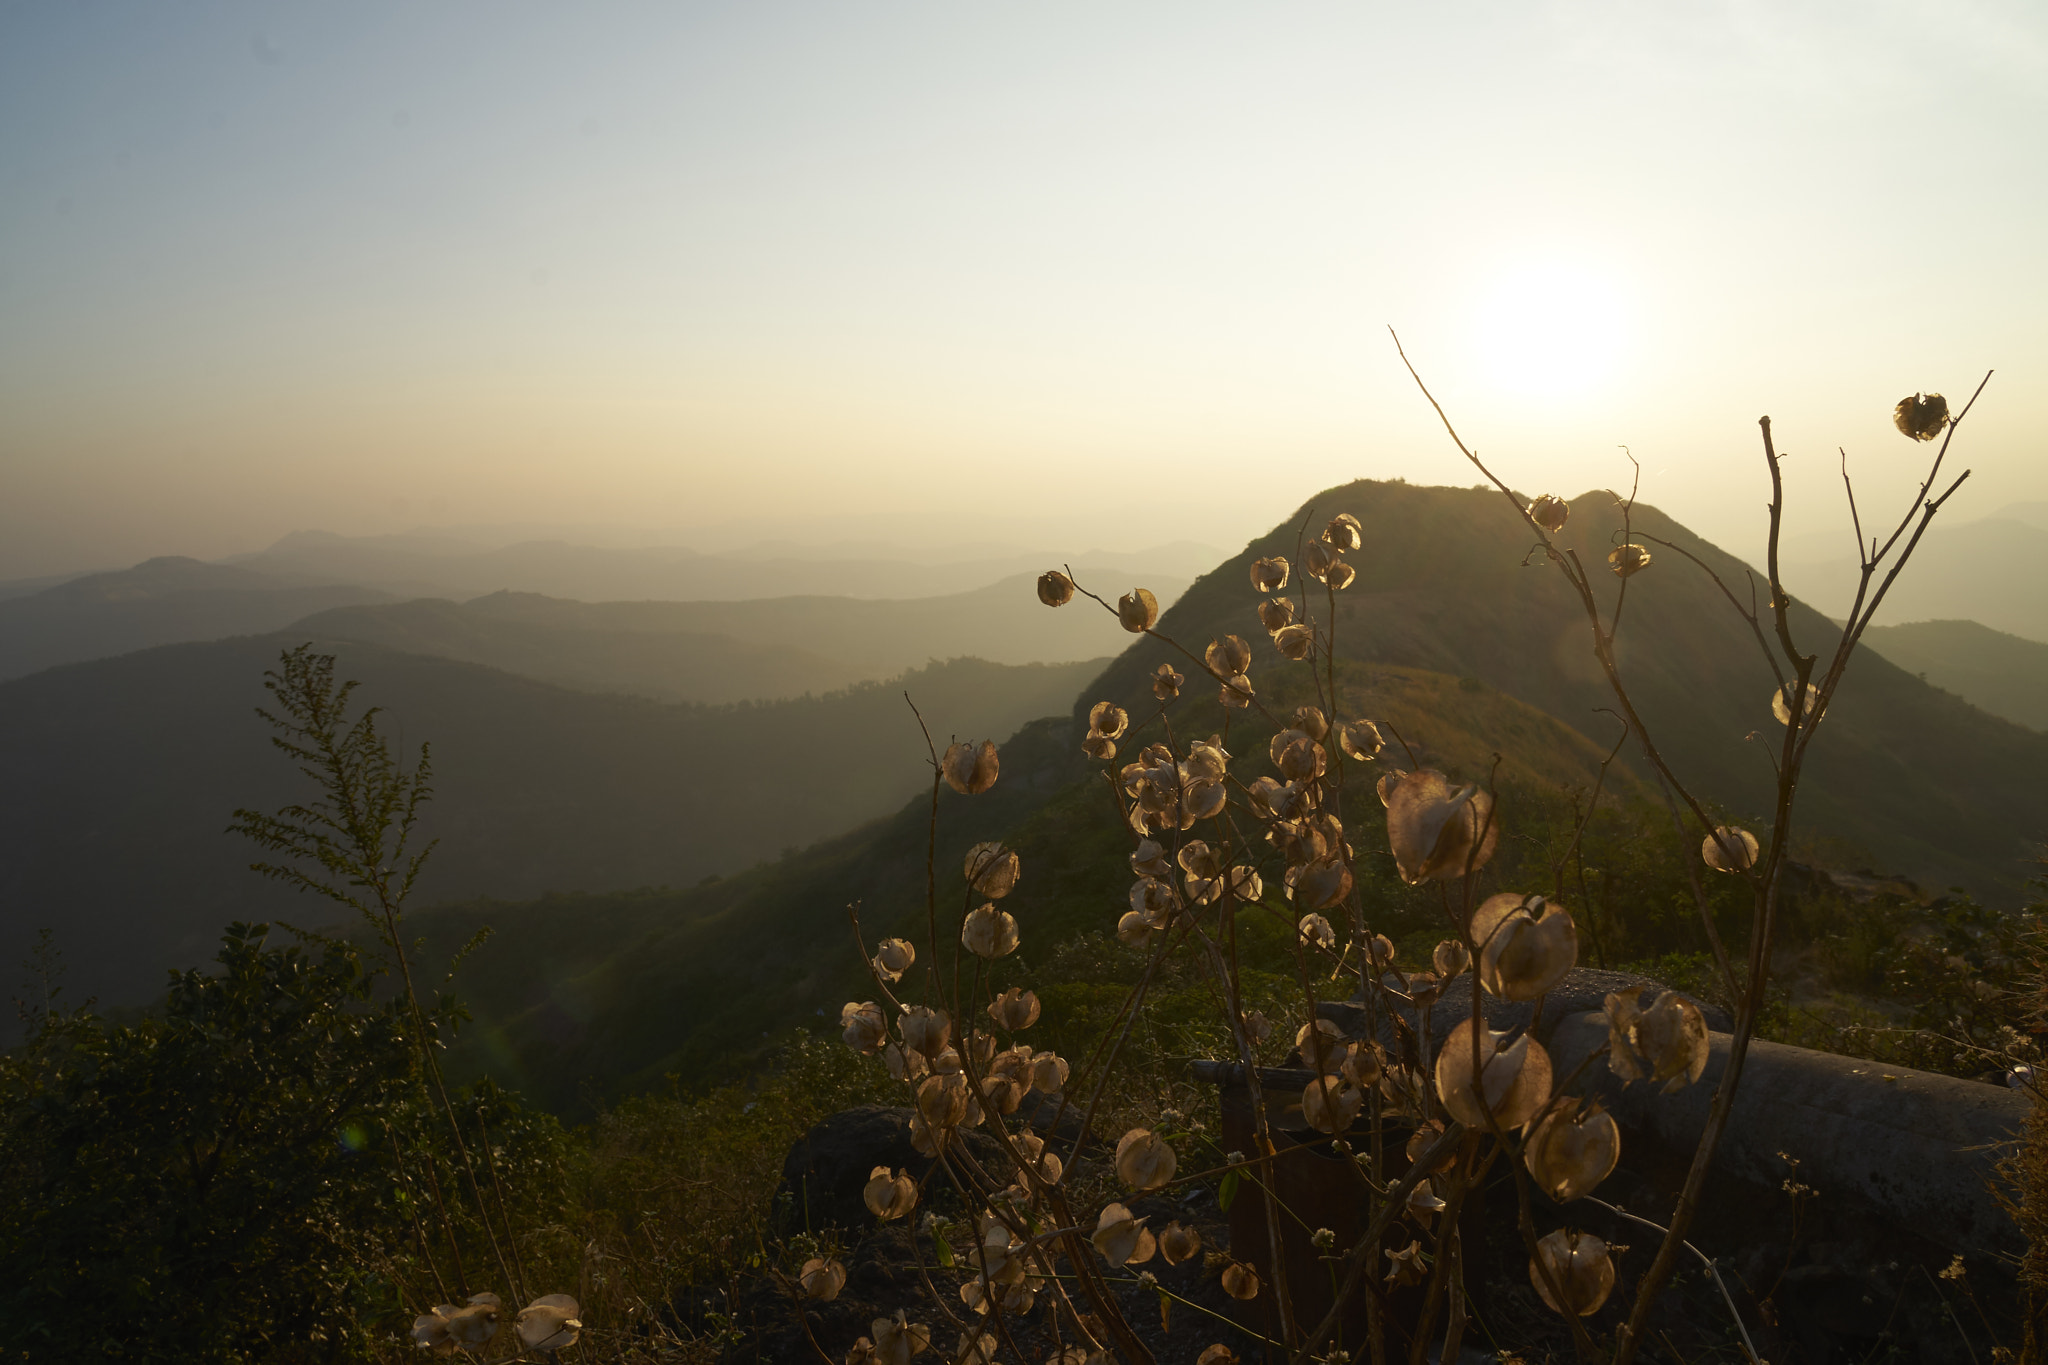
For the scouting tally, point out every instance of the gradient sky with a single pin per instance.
(965, 269)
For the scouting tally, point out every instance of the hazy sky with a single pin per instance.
(989, 268)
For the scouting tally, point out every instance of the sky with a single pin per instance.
(1122, 274)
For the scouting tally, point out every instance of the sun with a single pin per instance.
(1551, 328)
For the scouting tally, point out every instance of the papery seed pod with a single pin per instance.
(975, 1348)
(1204, 800)
(1729, 849)
(1578, 1264)
(1149, 859)
(902, 1063)
(1218, 1354)
(1438, 831)
(863, 1026)
(1363, 1063)
(1450, 958)
(1571, 1151)
(1379, 950)
(1048, 1072)
(1423, 1138)
(970, 769)
(1257, 1028)
(1344, 532)
(1550, 512)
(1055, 589)
(1781, 704)
(1387, 786)
(1295, 642)
(1339, 577)
(1402, 1088)
(1330, 1103)
(1153, 899)
(1309, 720)
(991, 870)
(1107, 718)
(897, 1339)
(942, 1100)
(927, 1031)
(1014, 1009)
(1245, 883)
(1138, 610)
(1122, 1239)
(1628, 560)
(1321, 1045)
(947, 1062)
(1320, 558)
(552, 1321)
(1665, 1041)
(1526, 945)
(1322, 884)
(1423, 1204)
(1512, 1082)
(471, 1327)
(988, 932)
(1198, 859)
(1424, 988)
(1236, 692)
(893, 957)
(1177, 1243)
(1101, 748)
(1143, 1160)
(1207, 758)
(1275, 613)
(889, 1194)
(1166, 682)
(1406, 1266)
(1360, 739)
(1240, 1281)
(1316, 930)
(1302, 760)
(1228, 656)
(1134, 930)
(1278, 744)
(1269, 575)
(1921, 416)
(430, 1330)
(862, 1352)
(820, 1279)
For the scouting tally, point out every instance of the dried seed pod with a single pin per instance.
(1101, 748)
(1406, 1265)
(1438, 831)
(902, 1063)
(1218, 1354)
(1572, 1150)
(1729, 848)
(1134, 930)
(1269, 575)
(942, 1100)
(820, 1279)
(1665, 1041)
(1048, 1072)
(927, 1031)
(1203, 800)
(1143, 1160)
(1055, 589)
(991, 870)
(1316, 930)
(897, 1339)
(893, 957)
(1628, 560)
(1322, 884)
(1921, 416)
(1781, 704)
(1450, 958)
(1512, 1083)
(1138, 610)
(1379, 950)
(1014, 1009)
(1387, 786)
(1107, 718)
(1228, 656)
(988, 932)
(1302, 761)
(1295, 642)
(1166, 682)
(1276, 612)
(1423, 1138)
(1339, 577)
(552, 1321)
(970, 769)
(1423, 1204)
(1360, 739)
(1526, 945)
(1311, 721)
(1550, 512)
(1240, 1281)
(1330, 1103)
(1236, 692)
(863, 1026)
(1344, 532)
(1578, 1264)
(889, 1194)
(974, 1349)
(1320, 559)
(1321, 1045)
(1149, 860)
(1121, 1238)
(1177, 1243)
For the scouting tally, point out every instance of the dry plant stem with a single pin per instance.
(1705, 1260)
(931, 874)
(412, 1211)
(504, 1206)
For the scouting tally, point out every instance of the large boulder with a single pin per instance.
(828, 1167)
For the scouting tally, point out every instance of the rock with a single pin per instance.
(827, 1168)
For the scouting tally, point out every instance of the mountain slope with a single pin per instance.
(158, 602)
(123, 773)
(1989, 571)
(1915, 776)
(2001, 673)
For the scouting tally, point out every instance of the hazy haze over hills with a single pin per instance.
(2004, 674)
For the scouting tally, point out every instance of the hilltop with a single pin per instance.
(2004, 674)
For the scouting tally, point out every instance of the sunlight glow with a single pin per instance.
(1551, 328)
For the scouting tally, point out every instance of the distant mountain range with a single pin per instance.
(2001, 673)
(122, 774)
(1991, 571)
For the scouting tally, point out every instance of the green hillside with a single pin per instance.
(123, 772)
(2003, 674)
(1916, 779)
